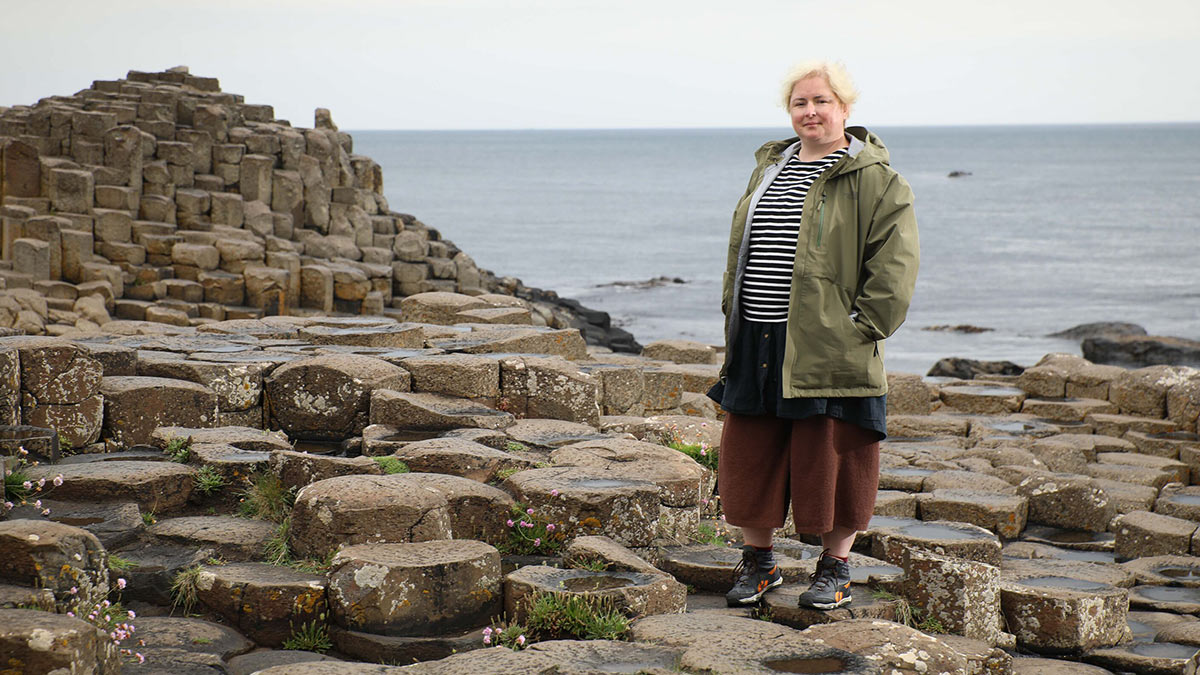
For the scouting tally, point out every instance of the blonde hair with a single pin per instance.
(835, 76)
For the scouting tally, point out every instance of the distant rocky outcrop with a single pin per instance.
(1099, 329)
(967, 369)
(161, 198)
(1142, 350)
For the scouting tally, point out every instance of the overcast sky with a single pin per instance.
(490, 64)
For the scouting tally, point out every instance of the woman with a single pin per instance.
(823, 256)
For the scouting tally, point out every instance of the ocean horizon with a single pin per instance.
(1054, 226)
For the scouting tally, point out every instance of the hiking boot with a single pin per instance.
(831, 585)
(756, 574)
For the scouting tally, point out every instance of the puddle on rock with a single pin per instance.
(318, 447)
(1071, 539)
(1177, 436)
(1169, 594)
(928, 531)
(909, 472)
(890, 521)
(1067, 583)
(864, 573)
(802, 665)
(1178, 573)
(1183, 499)
(1163, 650)
(410, 435)
(595, 583)
(1142, 632)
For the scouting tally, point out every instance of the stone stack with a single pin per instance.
(161, 198)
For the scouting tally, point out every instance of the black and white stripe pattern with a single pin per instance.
(774, 230)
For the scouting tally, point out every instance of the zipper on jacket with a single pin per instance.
(821, 219)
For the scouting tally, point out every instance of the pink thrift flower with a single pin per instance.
(45, 512)
(71, 614)
(27, 485)
(487, 639)
(121, 583)
(58, 480)
(132, 616)
(487, 631)
(554, 493)
(140, 658)
(521, 640)
(537, 541)
(509, 522)
(529, 511)
(74, 590)
(550, 527)
(37, 503)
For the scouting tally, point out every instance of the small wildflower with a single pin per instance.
(140, 658)
(554, 493)
(58, 480)
(74, 590)
(71, 614)
(121, 583)
(703, 453)
(38, 503)
(8, 505)
(41, 483)
(550, 527)
(529, 511)
(704, 502)
(27, 485)
(537, 541)
(132, 616)
(521, 640)
(45, 512)
(487, 631)
(509, 522)
(487, 639)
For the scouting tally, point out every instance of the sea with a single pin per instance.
(1050, 227)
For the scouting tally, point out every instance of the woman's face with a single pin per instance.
(817, 115)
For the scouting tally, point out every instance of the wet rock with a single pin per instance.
(575, 657)
(135, 406)
(1033, 666)
(459, 457)
(432, 412)
(1066, 409)
(591, 501)
(234, 539)
(968, 369)
(1143, 392)
(425, 588)
(361, 509)
(1143, 533)
(154, 486)
(633, 593)
(322, 668)
(785, 608)
(1067, 500)
(328, 397)
(394, 335)
(1178, 501)
(237, 386)
(1146, 657)
(1168, 445)
(1085, 568)
(1146, 625)
(1059, 614)
(254, 662)
(1181, 632)
(983, 400)
(1099, 329)
(1166, 570)
(264, 602)
(1178, 600)
(34, 641)
(55, 557)
(297, 469)
(615, 557)
(114, 524)
(1134, 351)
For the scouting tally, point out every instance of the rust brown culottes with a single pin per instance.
(827, 468)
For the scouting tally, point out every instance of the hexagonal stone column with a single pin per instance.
(591, 501)
(33, 641)
(361, 509)
(264, 602)
(155, 486)
(328, 397)
(57, 557)
(635, 593)
(945, 538)
(423, 588)
(135, 406)
(1062, 614)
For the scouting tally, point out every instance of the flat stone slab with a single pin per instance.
(328, 397)
(404, 649)
(297, 469)
(247, 664)
(244, 438)
(1166, 570)
(1034, 666)
(459, 457)
(477, 511)
(1177, 599)
(423, 588)
(114, 524)
(56, 557)
(153, 486)
(1058, 614)
(890, 646)
(1145, 657)
(678, 476)
(435, 412)
(550, 434)
(155, 566)
(1105, 573)
(135, 406)
(234, 539)
(191, 635)
(940, 537)
(784, 606)
(1003, 514)
(635, 593)
(590, 501)
(393, 335)
(1067, 500)
(710, 568)
(1075, 540)
(264, 602)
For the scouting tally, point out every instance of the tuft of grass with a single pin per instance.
(148, 518)
(313, 565)
(560, 616)
(391, 464)
(515, 446)
(590, 563)
(707, 533)
(503, 474)
(276, 551)
(505, 633)
(267, 498)
(185, 589)
(179, 449)
(701, 453)
(118, 564)
(910, 615)
(310, 637)
(930, 625)
(762, 613)
(208, 480)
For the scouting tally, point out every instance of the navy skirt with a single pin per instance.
(753, 385)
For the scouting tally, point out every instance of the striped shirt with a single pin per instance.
(774, 231)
